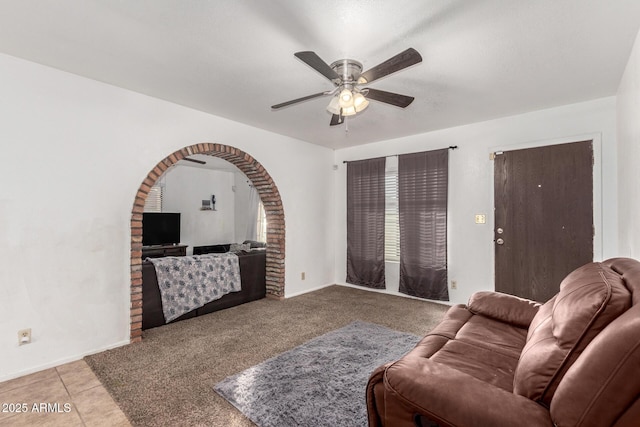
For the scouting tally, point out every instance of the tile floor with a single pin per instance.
(68, 395)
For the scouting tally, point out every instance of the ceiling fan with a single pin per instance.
(348, 97)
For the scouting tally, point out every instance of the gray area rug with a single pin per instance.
(319, 383)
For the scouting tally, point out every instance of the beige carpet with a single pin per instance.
(167, 379)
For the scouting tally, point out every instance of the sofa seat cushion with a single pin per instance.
(479, 346)
(589, 299)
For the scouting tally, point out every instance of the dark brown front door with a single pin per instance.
(543, 217)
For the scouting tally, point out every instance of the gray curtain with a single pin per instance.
(422, 205)
(365, 223)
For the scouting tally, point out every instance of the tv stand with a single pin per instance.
(160, 251)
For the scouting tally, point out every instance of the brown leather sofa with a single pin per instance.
(506, 361)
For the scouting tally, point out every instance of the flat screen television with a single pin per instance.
(160, 228)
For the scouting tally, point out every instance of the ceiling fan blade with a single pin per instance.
(389, 97)
(315, 62)
(336, 120)
(402, 60)
(295, 101)
(200, 162)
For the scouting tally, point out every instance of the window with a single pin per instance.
(154, 199)
(261, 225)
(391, 218)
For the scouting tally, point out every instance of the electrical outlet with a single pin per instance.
(454, 284)
(302, 275)
(24, 336)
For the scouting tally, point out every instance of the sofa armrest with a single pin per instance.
(418, 386)
(504, 307)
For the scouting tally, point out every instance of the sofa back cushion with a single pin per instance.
(602, 385)
(590, 298)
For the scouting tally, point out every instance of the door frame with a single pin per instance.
(597, 185)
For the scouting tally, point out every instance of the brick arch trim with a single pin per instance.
(269, 195)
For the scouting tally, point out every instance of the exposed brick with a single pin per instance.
(136, 339)
(139, 201)
(149, 181)
(138, 209)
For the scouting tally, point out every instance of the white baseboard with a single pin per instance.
(394, 293)
(306, 291)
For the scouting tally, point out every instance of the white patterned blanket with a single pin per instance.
(189, 282)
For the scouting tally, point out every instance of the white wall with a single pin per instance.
(628, 110)
(471, 248)
(185, 189)
(241, 183)
(75, 152)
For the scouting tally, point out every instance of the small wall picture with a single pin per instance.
(206, 205)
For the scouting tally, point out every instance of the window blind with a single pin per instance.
(391, 221)
(154, 199)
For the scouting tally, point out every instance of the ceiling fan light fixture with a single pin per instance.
(334, 105)
(346, 98)
(348, 111)
(360, 102)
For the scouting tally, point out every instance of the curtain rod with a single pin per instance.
(451, 147)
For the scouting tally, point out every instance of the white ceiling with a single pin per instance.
(482, 59)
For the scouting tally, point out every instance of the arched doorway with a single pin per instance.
(269, 195)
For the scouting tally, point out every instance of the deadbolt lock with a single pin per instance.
(499, 230)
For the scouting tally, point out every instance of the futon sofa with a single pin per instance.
(253, 282)
(506, 361)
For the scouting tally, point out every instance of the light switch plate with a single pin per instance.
(481, 219)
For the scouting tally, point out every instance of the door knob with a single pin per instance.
(500, 241)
